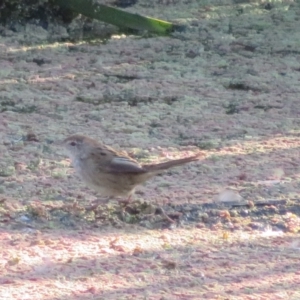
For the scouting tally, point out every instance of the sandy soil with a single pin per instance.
(228, 86)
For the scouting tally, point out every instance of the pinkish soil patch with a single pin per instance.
(228, 87)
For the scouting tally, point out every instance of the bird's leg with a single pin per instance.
(126, 201)
(97, 202)
(165, 214)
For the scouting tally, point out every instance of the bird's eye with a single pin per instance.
(73, 144)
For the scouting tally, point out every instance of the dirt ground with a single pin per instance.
(227, 86)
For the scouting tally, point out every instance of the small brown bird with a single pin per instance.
(110, 172)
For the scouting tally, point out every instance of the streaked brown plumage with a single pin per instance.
(110, 172)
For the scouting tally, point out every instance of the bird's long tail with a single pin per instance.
(170, 164)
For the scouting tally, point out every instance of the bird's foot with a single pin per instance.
(94, 204)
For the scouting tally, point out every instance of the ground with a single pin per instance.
(227, 86)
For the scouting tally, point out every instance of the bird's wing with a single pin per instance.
(123, 164)
(113, 161)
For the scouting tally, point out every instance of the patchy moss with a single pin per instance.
(7, 171)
